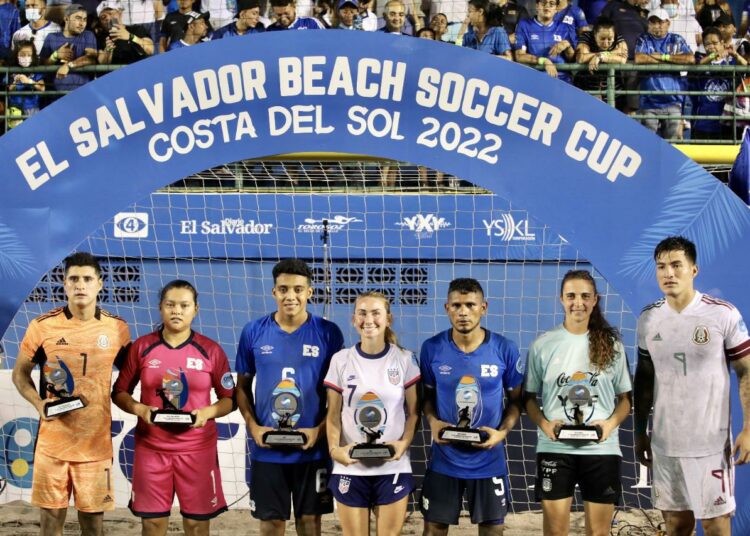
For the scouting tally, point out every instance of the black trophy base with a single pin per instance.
(462, 436)
(284, 439)
(371, 451)
(579, 432)
(62, 406)
(166, 416)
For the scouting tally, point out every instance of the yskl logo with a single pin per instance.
(507, 228)
(424, 225)
(131, 225)
(333, 225)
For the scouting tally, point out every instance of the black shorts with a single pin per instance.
(275, 486)
(598, 477)
(442, 497)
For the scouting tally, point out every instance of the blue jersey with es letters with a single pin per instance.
(289, 362)
(537, 39)
(667, 81)
(482, 375)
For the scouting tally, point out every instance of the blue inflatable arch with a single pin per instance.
(609, 186)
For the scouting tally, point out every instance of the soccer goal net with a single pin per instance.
(362, 225)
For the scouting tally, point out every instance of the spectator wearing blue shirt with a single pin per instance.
(196, 31)
(485, 32)
(712, 103)
(285, 12)
(10, 23)
(173, 25)
(572, 15)
(660, 47)
(73, 48)
(247, 23)
(546, 41)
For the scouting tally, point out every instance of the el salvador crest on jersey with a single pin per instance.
(701, 335)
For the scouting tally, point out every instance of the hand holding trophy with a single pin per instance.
(370, 418)
(286, 410)
(60, 384)
(174, 395)
(579, 396)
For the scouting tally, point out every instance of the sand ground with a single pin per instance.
(20, 519)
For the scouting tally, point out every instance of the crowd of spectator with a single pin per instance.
(541, 33)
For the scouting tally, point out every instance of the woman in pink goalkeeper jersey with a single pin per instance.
(177, 369)
(372, 390)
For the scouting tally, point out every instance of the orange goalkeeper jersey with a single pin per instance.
(77, 357)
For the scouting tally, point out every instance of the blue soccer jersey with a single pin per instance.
(666, 81)
(289, 362)
(300, 23)
(10, 23)
(537, 39)
(230, 30)
(494, 42)
(482, 376)
(572, 16)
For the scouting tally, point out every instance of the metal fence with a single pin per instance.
(609, 79)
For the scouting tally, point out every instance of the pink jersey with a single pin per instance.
(186, 374)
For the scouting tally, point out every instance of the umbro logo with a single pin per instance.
(154, 363)
(720, 501)
(61, 342)
(266, 349)
(657, 337)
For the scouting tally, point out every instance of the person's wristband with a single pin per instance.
(604, 55)
(131, 38)
(71, 65)
(55, 56)
(541, 61)
(712, 56)
(665, 57)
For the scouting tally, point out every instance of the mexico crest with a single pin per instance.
(701, 335)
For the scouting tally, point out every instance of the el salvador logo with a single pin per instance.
(131, 225)
(227, 382)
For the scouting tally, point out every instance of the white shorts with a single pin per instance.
(704, 485)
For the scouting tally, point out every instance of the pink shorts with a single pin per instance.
(193, 476)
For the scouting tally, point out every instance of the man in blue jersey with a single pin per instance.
(288, 351)
(546, 40)
(285, 12)
(658, 46)
(468, 360)
(71, 49)
(247, 21)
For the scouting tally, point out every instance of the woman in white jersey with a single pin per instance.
(372, 389)
(580, 370)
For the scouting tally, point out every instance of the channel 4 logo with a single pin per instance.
(131, 225)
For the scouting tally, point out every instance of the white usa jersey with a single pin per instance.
(690, 351)
(373, 390)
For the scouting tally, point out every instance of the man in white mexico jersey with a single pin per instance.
(685, 342)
